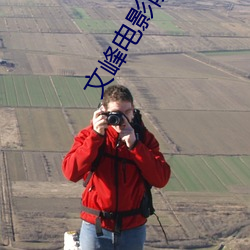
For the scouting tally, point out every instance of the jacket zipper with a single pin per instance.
(116, 166)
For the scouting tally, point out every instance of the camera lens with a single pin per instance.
(114, 120)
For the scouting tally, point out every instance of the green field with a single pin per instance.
(79, 13)
(96, 26)
(87, 23)
(46, 91)
(165, 22)
(226, 53)
(161, 19)
(208, 173)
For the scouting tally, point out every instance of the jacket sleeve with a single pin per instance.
(151, 161)
(83, 152)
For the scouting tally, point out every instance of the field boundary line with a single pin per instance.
(174, 213)
(232, 171)
(40, 83)
(205, 110)
(14, 84)
(65, 115)
(14, 89)
(158, 128)
(7, 207)
(5, 92)
(69, 123)
(53, 85)
(214, 172)
(197, 177)
(79, 29)
(182, 184)
(84, 92)
(217, 67)
(25, 168)
(167, 153)
(70, 90)
(248, 166)
(27, 89)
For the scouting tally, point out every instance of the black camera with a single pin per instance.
(114, 118)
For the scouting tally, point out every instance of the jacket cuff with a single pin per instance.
(99, 133)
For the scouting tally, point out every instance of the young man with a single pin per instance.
(113, 197)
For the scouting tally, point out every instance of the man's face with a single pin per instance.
(124, 107)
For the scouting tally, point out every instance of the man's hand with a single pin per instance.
(127, 133)
(100, 122)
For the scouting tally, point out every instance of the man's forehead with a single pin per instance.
(121, 105)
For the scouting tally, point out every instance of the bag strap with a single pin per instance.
(109, 215)
(150, 198)
(138, 125)
(95, 163)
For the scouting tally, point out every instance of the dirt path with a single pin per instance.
(9, 132)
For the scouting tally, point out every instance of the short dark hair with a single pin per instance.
(116, 93)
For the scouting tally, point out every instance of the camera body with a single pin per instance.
(114, 118)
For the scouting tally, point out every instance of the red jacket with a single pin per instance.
(101, 192)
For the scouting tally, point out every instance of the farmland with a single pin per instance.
(190, 77)
(209, 173)
(46, 91)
